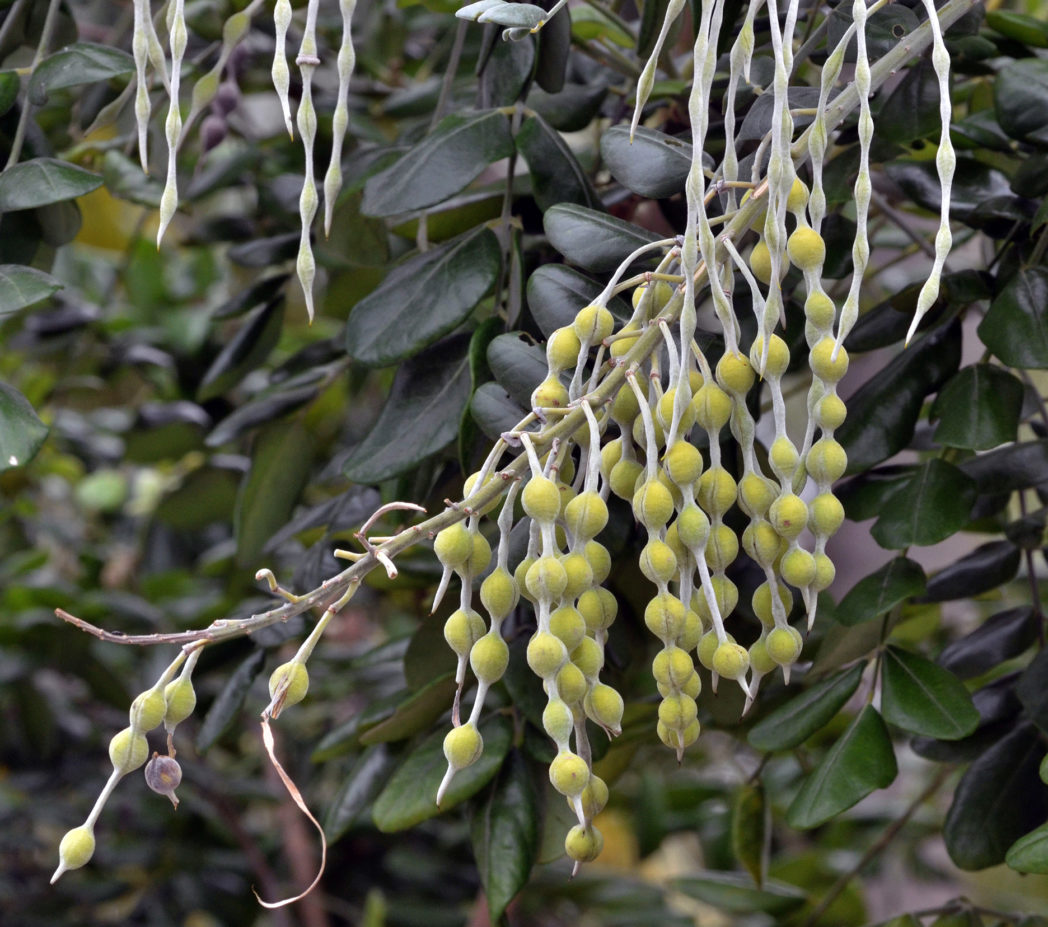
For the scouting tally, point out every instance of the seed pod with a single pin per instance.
(163, 775)
(546, 579)
(593, 324)
(293, 678)
(75, 850)
(583, 843)
(806, 248)
(571, 683)
(147, 710)
(498, 593)
(546, 654)
(683, 463)
(569, 773)
(463, 746)
(180, 700)
(462, 630)
(604, 706)
(549, 394)
(453, 546)
(489, 658)
(789, 515)
(822, 364)
(735, 373)
(562, 349)
(784, 645)
(128, 750)
(730, 660)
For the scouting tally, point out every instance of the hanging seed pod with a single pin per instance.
(163, 776)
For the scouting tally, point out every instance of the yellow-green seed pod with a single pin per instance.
(825, 572)
(462, 630)
(621, 346)
(568, 624)
(546, 654)
(583, 843)
(520, 575)
(693, 527)
(557, 720)
(806, 248)
(546, 579)
(731, 660)
(762, 606)
(756, 494)
(562, 349)
(784, 456)
(625, 407)
(180, 700)
(653, 505)
(689, 636)
(797, 198)
(690, 734)
(579, 574)
(819, 310)
(586, 515)
(610, 455)
(147, 710)
(297, 677)
(680, 552)
(624, 476)
(571, 683)
(640, 436)
(489, 658)
(594, 797)
(128, 750)
(541, 499)
(598, 607)
(672, 667)
(827, 514)
(463, 746)
(789, 515)
(593, 324)
(470, 487)
(664, 412)
(797, 567)
(822, 364)
(453, 546)
(826, 461)
(717, 491)
(726, 594)
(722, 548)
(677, 712)
(708, 645)
(481, 556)
(683, 463)
(831, 412)
(664, 616)
(550, 394)
(658, 562)
(599, 560)
(712, 407)
(569, 773)
(778, 355)
(77, 847)
(760, 662)
(498, 593)
(761, 542)
(588, 657)
(760, 261)
(735, 372)
(783, 647)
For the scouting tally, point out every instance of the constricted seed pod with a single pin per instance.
(664, 616)
(717, 491)
(831, 412)
(550, 394)
(826, 514)
(653, 505)
(784, 645)
(546, 578)
(604, 706)
(778, 355)
(826, 461)
(586, 515)
(562, 349)
(569, 773)
(756, 494)
(789, 515)
(568, 624)
(498, 593)
(730, 660)
(462, 630)
(163, 776)
(147, 710)
(599, 559)
(693, 527)
(722, 547)
(819, 310)
(822, 364)
(76, 849)
(588, 657)
(798, 567)
(658, 562)
(583, 843)
(571, 683)
(546, 654)
(463, 746)
(453, 546)
(712, 407)
(762, 605)
(180, 700)
(806, 248)
(541, 499)
(735, 372)
(683, 463)
(579, 574)
(623, 478)
(598, 607)
(295, 676)
(128, 750)
(489, 658)
(593, 324)
(594, 797)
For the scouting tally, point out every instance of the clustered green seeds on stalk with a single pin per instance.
(637, 410)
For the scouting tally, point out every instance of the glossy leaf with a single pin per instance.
(226, 706)
(505, 834)
(260, 410)
(1032, 690)
(1017, 466)
(247, 349)
(441, 165)
(41, 181)
(417, 713)
(1027, 29)
(793, 723)
(1030, 853)
(865, 494)
(923, 698)
(987, 567)
(998, 707)
(22, 286)
(423, 299)
(978, 408)
(518, 365)
(556, 175)
(934, 504)
(572, 108)
(895, 582)
(358, 790)
(1001, 637)
(422, 413)
(654, 164)
(494, 410)
(80, 63)
(593, 240)
(861, 761)
(911, 110)
(736, 893)
(551, 64)
(21, 432)
(124, 178)
(1016, 326)
(883, 412)
(10, 85)
(749, 829)
(1020, 95)
(557, 292)
(410, 795)
(997, 799)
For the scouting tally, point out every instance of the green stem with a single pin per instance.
(27, 107)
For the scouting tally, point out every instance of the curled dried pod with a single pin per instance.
(163, 776)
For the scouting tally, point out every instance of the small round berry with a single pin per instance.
(598, 607)
(778, 356)
(453, 546)
(783, 646)
(586, 515)
(653, 505)
(462, 630)
(827, 514)
(819, 310)
(826, 461)
(831, 412)
(664, 616)
(658, 562)
(562, 349)
(163, 775)
(498, 593)
(712, 407)
(546, 578)
(463, 746)
(683, 463)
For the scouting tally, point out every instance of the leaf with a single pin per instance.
(996, 800)
(865, 494)
(1032, 690)
(260, 410)
(654, 164)
(557, 292)
(124, 178)
(1001, 637)
(985, 568)
(247, 349)
(280, 462)
(505, 834)
(1030, 853)
(1018, 466)
(418, 712)
(519, 366)
(933, 505)
(759, 117)
(421, 415)
(22, 433)
(1015, 328)
(423, 299)
(749, 829)
(1020, 94)
(514, 15)
(861, 761)
(735, 892)
(556, 175)
(923, 698)
(1026, 29)
(226, 706)
(21, 286)
(572, 108)
(494, 410)
(978, 408)
(41, 181)
(998, 708)
(80, 63)
(911, 110)
(551, 64)
(442, 164)
(872, 596)
(410, 795)
(591, 239)
(358, 790)
(10, 85)
(793, 723)
(883, 412)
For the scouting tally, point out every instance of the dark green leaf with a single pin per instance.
(556, 175)
(280, 462)
(21, 432)
(551, 66)
(80, 63)
(935, 503)
(759, 116)
(593, 240)
(883, 412)
(260, 410)
(1026, 29)
(978, 408)
(42, 181)
(265, 252)
(421, 415)
(230, 700)
(570, 109)
(985, 568)
(21, 286)
(1018, 466)
(653, 164)
(358, 790)
(793, 723)
(423, 299)
(505, 834)
(1020, 95)
(410, 795)
(248, 349)
(911, 110)
(258, 294)
(1032, 690)
(10, 84)
(518, 365)
(974, 184)
(881, 591)
(865, 494)
(557, 292)
(998, 707)
(441, 165)
(923, 698)
(651, 16)
(997, 799)
(735, 892)
(1016, 326)
(494, 410)
(125, 178)
(1030, 853)
(749, 829)
(861, 761)
(1001, 637)
(418, 712)
(506, 72)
